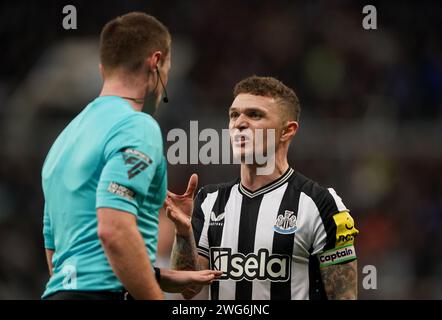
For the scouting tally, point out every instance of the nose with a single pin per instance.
(241, 122)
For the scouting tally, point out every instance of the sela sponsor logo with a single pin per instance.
(337, 255)
(217, 220)
(286, 224)
(137, 160)
(260, 266)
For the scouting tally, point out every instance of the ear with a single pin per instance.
(153, 60)
(289, 130)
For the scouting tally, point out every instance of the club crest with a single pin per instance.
(286, 223)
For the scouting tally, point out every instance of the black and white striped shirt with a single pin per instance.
(271, 242)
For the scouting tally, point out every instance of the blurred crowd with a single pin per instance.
(371, 118)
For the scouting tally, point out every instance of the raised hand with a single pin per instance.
(179, 207)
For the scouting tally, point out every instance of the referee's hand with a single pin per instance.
(179, 208)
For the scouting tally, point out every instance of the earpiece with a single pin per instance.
(165, 98)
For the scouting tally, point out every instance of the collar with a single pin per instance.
(268, 187)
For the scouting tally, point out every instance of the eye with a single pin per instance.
(255, 115)
(233, 115)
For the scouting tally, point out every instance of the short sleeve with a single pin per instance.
(47, 231)
(199, 225)
(334, 231)
(132, 153)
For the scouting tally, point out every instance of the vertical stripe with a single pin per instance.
(264, 235)
(206, 208)
(316, 287)
(246, 240)
(309, 224)
(327, 208)
(284, 243)
(226, 237)
(314, 228)
(215, 231)
(299, 279)
(338, 200)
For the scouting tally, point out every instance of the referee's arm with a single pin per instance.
(126, 251)
(48, 237)
(49, 254)
(133, 154)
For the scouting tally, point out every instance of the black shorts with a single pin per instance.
(89, 295)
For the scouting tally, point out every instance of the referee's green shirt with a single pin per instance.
(109, 156)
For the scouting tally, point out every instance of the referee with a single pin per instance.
(104, 179)
(274, 236)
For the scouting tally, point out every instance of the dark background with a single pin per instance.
(370, 124)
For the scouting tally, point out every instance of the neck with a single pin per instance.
(116, 86)
(252, 181)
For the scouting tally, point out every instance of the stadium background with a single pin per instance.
(371, 120)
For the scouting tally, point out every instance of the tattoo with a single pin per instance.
(340, 281)
(184, 255)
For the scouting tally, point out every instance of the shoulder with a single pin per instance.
(221, 188)
(140, 120)
(210, 188)
(325, 199)
(326, 207)
(140, 126)
(134, 130)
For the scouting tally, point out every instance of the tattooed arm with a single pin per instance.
(179, 209)
(340, 281)
(184, 255)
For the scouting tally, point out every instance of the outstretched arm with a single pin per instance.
(192, 290)
(179, 281)
(185, 257)
(184, 254)
(341, 281)
(179, 209)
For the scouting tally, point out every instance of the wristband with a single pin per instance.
(157, 274)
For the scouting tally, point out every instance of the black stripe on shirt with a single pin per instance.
(327, 208)
(316, 287)
(246, 240)
(283, 243)
(215, 231)
(198, 216)
(326, 205)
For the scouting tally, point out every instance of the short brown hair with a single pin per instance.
(273, 88)
(128, 39)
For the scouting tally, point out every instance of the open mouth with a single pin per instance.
(240, 139)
